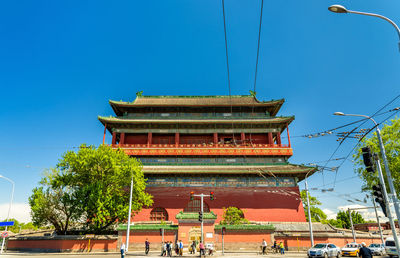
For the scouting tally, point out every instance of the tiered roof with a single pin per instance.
(120, 107)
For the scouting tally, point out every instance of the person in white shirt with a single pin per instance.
(264, 246)
(123, 250)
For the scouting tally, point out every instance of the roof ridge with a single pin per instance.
(193, 96)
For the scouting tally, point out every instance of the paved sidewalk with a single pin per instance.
(153, 254)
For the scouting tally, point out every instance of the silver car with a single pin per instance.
(377, 249)
(324, 250)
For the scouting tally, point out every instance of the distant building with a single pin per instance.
(234, 146)
(373, 227)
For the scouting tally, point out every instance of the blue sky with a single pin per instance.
(60, 63)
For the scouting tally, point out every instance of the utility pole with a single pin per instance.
(202, 209)
(9, 208)
(128, 228)
(352, 227)
(377, 219)
(201, 213)
(309, 215)
(388, 174)
(388, 211)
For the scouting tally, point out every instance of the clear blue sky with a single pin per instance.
(61, 61)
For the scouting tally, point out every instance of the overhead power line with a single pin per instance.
(258, 45)
(226, 47)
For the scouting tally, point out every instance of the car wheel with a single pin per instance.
(325, 255)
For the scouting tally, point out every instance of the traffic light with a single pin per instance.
(200, 216)
(211, 196)
(191, 196)
(368, 159)
(378, 193)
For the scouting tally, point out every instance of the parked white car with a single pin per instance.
(390, 247)
(377, 249)
(324, 250)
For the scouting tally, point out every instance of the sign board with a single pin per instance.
(89, 235)
(296, 234)
(6, 223)
(4, 234)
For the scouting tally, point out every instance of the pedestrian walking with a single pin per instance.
(163, 249)
(146, 246)
(169, 248)
(264, 246)
(365, 252)
(176, 248)
(202, 250)
(180, 245)
(193, 247)
(282, 248)
(275, 247)
(122, 250)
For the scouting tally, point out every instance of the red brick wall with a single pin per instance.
(63, 244)
(258, 204)
(244, 237)
(152, 236)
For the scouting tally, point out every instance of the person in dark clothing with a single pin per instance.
(364, 251)
(146, 246)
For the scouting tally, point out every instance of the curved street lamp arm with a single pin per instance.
(370, 118)
(379, 16)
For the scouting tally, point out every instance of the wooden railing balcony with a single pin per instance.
(205, 149)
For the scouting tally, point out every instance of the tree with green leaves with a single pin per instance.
(343, 219)
(233, 216)
(89, 188)
(317, 215)
(391, 139)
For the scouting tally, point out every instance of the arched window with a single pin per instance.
(195, 206)
(159, 214)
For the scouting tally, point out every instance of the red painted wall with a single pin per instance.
(135, 138)
(258, 204)
(257, 138)
(196, 139)
(64, 244)
(151, 236)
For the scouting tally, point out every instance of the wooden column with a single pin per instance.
(215, 138)
(149, 139)
(288, 136)
(270, 139)
(114, 138)
(242, 137)
(176, 139)
(278, 139)
(122, 139)
(104, 135)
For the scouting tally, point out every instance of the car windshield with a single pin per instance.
(319, 246)
(374, 245)
(390, 243)
(351, 246)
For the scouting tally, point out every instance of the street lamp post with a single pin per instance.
(383, 153)
(341, 9)
(128, 228)
(309, 212)
(9, 207)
